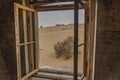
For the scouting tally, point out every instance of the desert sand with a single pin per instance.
(50, 36)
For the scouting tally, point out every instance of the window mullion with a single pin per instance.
(17, 42)
(36, 40)
(76, 15)
(31, 38)
(25, 41)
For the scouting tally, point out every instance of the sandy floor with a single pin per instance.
(49, 37)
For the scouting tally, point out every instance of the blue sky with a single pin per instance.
(51, 18)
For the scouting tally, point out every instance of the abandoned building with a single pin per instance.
(19, 39)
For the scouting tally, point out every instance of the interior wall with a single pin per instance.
(107, 59)
(7, 41)
(8, 69)
(8, 66)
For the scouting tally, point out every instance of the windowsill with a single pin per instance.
(51, 74)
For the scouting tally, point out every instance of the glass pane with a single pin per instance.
(21, 29)
(22, 57)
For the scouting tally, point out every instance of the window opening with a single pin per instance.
(27, 42)
(50, 34)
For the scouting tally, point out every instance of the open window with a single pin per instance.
(27, 47)
(26, 41)
(56, 42)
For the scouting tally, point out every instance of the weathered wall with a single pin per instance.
(107, 59)
(8, 66)
(7, 41)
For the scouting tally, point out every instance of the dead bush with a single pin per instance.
(64, 48)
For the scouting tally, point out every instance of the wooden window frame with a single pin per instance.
(26, 43)
(18, 44)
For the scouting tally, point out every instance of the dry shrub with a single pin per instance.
(64, 48)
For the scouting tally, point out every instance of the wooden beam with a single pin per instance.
(95, 36)
(55, 76)
(17, 42)
(76, 20)
(24, 2)
(55, 71)
(41, 2)
(53, 1)
(30, 74)
(26, 43)
(31, 45)
(24, 7)
(85, 65)
(37, 41)
(57, 7)
(25, 40)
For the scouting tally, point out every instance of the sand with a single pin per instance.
(49, 37)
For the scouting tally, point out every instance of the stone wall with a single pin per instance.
(107, 59)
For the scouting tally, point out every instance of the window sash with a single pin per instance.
(26, 43)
